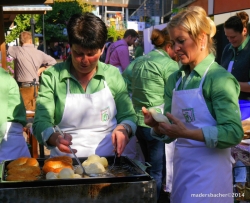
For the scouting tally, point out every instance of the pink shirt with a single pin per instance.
(118, 54)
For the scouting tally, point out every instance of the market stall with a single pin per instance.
(128, 182)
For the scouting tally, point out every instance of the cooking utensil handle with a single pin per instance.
(59, 130)
(78, 161)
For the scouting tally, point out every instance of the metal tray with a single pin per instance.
(133, 173)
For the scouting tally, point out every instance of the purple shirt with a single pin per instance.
(118, 54)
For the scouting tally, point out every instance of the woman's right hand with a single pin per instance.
(62, 143)
(148, 118)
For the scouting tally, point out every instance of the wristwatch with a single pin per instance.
(127, 128)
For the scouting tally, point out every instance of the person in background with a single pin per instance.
(138, 49)
(12, 120)
(118, 53)
(106, 46)
(236, 57)
(40, 46)
(201, 102)
(146, 78)
(29, 62)
(86, 98)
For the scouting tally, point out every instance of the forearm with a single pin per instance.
(244, 86)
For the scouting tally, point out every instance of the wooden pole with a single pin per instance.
(2, 41)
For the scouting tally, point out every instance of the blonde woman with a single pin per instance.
(201, 101)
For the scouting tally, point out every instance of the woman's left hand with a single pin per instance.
(175, 130)
(119, 139)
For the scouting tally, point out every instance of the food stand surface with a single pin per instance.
(136, 192)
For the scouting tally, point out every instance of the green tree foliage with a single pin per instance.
(22, 23)
(112, 32)
(55, 21)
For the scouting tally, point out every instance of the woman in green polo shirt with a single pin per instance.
(12, 119)
(146, 78)
(86, 98)
(202, 99)
(236, 57)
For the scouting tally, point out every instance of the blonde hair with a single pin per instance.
(24, 37)
(160, 38)
(194, 20)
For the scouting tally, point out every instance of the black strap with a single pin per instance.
(113, 51)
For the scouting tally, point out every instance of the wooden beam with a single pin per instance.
(114, 4)
(24, 12)
(2, 41)
(25, 2)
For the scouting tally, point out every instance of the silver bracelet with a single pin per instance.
(127, 128)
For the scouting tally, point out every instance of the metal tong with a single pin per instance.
(78, 161)
(112, 167)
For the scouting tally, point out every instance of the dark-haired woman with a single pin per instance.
(236, 57)
(86, 98)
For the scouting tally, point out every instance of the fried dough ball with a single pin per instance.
(104, 161)
(94, 168)
(79, 170)
(51, 175)
(21, 177)
(60, 158)
(77, 176)
(56, 166)
(95, 158)
(25, 170)
(66, 173)
(23, 161)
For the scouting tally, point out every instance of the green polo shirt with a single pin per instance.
(12, 107)
(220, 91)
(146, 78)
(52, 95)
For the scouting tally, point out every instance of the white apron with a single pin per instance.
(90, 119)
(169, 152)
(198, 170)
(13, 144)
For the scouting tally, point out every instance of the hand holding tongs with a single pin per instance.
(78, 161)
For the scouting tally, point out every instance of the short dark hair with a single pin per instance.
(87, 30)
(130, 32)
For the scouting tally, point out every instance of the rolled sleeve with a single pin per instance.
(131, 124)
(46, 135)
(211, 136)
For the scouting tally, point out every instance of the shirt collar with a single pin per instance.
(65, 72)
(242, 46)
(201, 67)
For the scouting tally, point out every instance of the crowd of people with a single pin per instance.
(101, 100)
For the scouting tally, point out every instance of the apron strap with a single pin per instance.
(202, 80)
(203, 77)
